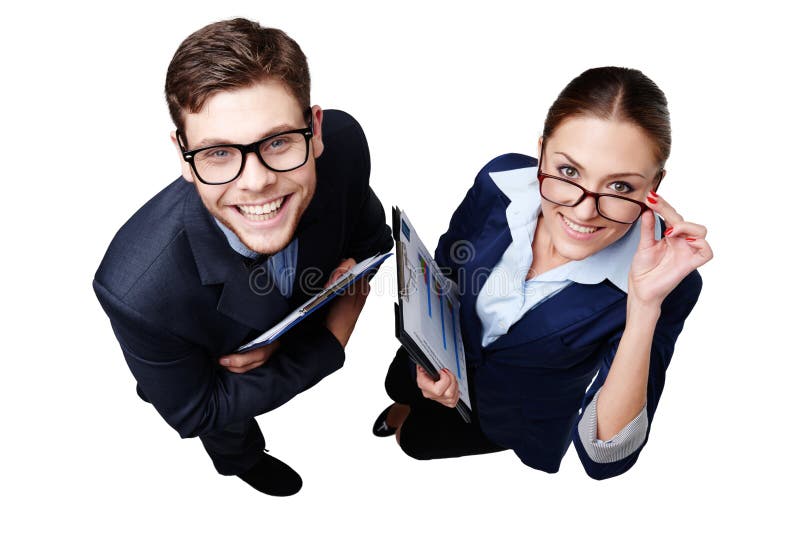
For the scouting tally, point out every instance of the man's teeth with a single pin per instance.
(265, 209)
(579, 228)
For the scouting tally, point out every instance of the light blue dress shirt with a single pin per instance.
(507, 295)
(282, 265)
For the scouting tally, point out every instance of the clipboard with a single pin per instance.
(316, 302)
(413, 328)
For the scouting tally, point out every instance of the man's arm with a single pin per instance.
(370, 234)
(196, 396)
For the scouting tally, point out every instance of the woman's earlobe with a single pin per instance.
(659, 179)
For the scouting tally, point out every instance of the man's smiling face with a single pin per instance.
(262, 207)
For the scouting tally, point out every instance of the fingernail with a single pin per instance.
(668, 231)
(691, 239)
(225, 361)
(651, 200)
(654, 193)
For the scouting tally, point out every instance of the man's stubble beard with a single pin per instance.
(298, 214)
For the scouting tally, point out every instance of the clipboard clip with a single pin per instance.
(325, 295)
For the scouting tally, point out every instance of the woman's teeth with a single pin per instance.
(263, 212)
(579, 228)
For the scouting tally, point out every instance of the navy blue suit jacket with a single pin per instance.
(529, 384)
(179, 297)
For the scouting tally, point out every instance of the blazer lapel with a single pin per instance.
(490, 242)
(571, 306)
(248, 295)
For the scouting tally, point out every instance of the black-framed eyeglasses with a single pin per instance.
(220, 164)
(609, 206)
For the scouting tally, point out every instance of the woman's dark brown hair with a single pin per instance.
(616, 93)
(233, 54)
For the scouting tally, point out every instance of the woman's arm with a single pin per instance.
(663, 287)
(624, 391)
(657, 269)
(612, 457)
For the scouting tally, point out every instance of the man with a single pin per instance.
(269, 205)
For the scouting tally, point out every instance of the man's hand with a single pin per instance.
(343, 267)
(345, 309)
(241, 363)
(444, 391)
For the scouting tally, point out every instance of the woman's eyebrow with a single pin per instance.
(574, 163)
(614, 175)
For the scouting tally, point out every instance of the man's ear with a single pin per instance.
(316, 123)
(186, 169)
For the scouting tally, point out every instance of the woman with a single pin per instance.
(582, 282)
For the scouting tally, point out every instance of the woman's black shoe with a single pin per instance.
(380, 428)
(273, 477)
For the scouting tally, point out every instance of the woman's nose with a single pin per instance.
(587, 209)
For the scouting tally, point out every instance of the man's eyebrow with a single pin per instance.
(614, 175)
(211, 141)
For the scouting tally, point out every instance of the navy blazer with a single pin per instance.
(179, 297)
(529, 384)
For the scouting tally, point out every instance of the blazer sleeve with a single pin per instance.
(674, 311)
(195, 395)
(454, 248)
(371, 235)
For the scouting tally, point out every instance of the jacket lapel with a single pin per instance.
(248, 295)
(490, 242)
(569, 307)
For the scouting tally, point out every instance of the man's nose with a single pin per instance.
(255, 175)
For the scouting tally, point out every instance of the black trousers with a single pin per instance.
(431, 430)
(234, 449)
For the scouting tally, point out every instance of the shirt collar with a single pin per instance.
(235, 243)
(612, 262)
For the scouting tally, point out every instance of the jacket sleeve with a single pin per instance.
(609, 459)
(195, 395)
(453, 249)
(371, 235)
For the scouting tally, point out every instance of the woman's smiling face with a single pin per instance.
(603, 156)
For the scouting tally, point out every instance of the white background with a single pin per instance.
(439, 90)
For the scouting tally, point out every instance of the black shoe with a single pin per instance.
(273, 477)
(380, 428)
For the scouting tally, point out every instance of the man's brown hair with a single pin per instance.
(232, 54)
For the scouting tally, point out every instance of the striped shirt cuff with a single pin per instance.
(625, 443)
